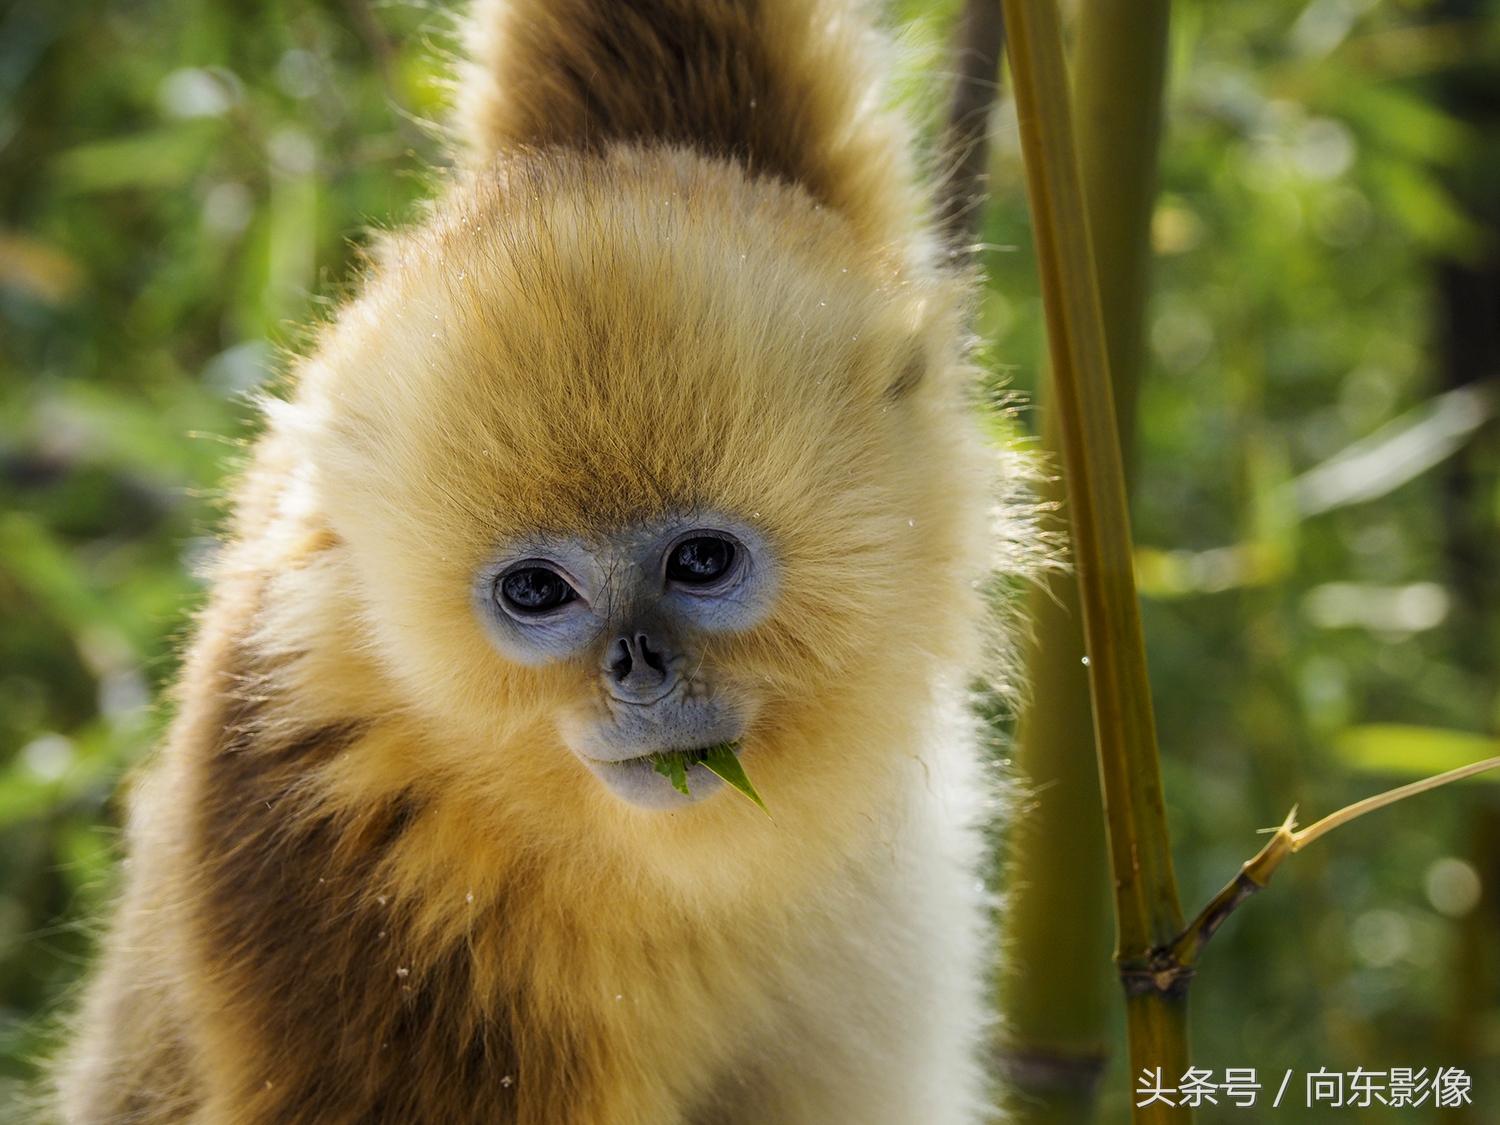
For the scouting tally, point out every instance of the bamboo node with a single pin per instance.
(1045, 1070)
(1160, 973)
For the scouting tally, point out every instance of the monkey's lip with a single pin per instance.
(602, 752)
(636, 781)
(660, 753)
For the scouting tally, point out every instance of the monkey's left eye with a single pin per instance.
(701, 560)
(534, 589)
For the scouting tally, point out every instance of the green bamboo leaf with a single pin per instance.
(673, 767)
(719, 760)
(722, 761)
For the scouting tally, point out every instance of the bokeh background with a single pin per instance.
(185, 182)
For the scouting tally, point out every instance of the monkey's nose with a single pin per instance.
(638, 673)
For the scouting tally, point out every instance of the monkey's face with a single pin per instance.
(645, 458)
(636, 611)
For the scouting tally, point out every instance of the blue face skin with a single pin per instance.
(634, 606)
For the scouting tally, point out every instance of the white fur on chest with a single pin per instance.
(879, 1016)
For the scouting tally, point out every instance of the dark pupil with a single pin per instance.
(535, 589)
(700, 560)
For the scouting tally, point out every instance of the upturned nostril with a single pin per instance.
(621, 665)
(634, 669)
(652, 658)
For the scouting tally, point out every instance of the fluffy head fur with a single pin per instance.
(576, 345)
(369, 884)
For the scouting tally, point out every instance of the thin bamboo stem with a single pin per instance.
(1180, 956)
(1148, 914)
(1307, 835)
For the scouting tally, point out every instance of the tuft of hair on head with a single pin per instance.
(789, 89)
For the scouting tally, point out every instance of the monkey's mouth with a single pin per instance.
(721, 761)
(665, 779)
(656, 761)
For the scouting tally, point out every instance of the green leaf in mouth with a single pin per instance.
(723, 761)
(673, 767)
(720, 760)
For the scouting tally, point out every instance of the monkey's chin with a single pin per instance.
(637, 782)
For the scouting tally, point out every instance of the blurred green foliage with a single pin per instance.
(183, 183)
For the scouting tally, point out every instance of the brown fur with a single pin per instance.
(366, 882)
(783, 87)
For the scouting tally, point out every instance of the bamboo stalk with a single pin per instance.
(1148, 914)
(1118, 86)
(1056, 1003)
(1055, 988)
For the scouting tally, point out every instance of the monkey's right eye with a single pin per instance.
(530, 590)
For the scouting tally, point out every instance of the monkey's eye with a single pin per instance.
(534, 589)
(701, 560)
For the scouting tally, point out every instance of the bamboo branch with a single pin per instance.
(1181, 955)
(1147, 911)
(1311, 833)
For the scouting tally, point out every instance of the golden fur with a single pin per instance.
(366, 883)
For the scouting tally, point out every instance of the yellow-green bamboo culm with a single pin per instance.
(1119, 82)
(1148, 914)
(1056, 988)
